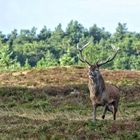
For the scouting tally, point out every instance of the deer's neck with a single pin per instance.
(97, 84)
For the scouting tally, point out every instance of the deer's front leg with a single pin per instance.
(94, 112)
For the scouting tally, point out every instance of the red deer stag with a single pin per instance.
(101, 94)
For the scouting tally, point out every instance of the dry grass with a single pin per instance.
(54, 104)
(62, 76)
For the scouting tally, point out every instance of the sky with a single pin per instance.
(24, 14)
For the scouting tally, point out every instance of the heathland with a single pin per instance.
(54, 104)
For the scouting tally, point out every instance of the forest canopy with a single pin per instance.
(27, 48)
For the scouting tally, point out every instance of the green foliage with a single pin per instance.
(98, 33)
(27, 49)
(135, 62)
(66, 59)
(47, 61)
(27, 65)
(75, 31)
(5, 59)
(45, 34)
(121, 31)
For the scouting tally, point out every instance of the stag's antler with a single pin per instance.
(109, 58)
(83, 59)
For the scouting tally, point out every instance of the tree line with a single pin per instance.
(27, 48)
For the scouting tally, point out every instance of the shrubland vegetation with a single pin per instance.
(54, 104)
(27, 48)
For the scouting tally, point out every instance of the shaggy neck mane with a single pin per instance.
(99, 84)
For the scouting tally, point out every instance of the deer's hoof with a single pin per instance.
(103, 116)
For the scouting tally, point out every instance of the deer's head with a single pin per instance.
(94, 68)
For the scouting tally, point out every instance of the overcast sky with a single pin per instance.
(24, 14)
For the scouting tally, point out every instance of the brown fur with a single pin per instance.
(101, 93)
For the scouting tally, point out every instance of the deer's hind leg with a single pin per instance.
(104, 112)
(106, 108)
(115, 109)
(110, 108)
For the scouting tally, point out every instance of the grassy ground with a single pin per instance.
(54, 104)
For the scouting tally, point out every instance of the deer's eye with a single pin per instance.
(92, 73)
